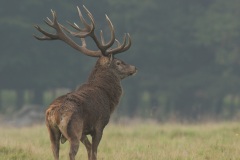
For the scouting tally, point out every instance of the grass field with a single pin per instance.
(219, 141)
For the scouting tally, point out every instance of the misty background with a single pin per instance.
(187, 53)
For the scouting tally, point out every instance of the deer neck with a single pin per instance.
(107, 82)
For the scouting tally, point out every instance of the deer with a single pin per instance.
(87, 109)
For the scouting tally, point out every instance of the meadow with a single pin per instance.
(148, 141)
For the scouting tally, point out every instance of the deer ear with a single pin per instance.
(110, 58)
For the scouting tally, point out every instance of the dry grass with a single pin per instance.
(133, 142)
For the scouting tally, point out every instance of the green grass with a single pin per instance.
(133, 142)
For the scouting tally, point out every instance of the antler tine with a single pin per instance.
(118, 43)
(47, 36)
(75, 26)
(52, 24)
(89, 15)
(110, 43)
(55, 23)
(102, 38)
(83, 42)
(49, 22)
(121, 48)
(90, 28)
(129, 43)
(82, 33)
(89, 31)
(103, 46)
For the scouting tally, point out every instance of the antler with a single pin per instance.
(104, 48)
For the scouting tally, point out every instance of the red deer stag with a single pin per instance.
(87, 110)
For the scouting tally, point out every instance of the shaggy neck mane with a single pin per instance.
(107, 82)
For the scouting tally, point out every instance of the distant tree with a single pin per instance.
(218, 31)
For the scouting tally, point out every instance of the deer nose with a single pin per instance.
(134, 70)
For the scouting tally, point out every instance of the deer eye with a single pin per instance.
(118, 63)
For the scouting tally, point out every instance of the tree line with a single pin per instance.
(187, 54)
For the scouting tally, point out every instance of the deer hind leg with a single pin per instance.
(88, 145)
(55, 135)
(74, 132)
(74, 145)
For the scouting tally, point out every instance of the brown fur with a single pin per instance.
(87, 110)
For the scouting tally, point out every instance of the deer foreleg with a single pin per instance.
(88, 145)
(95, 142)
